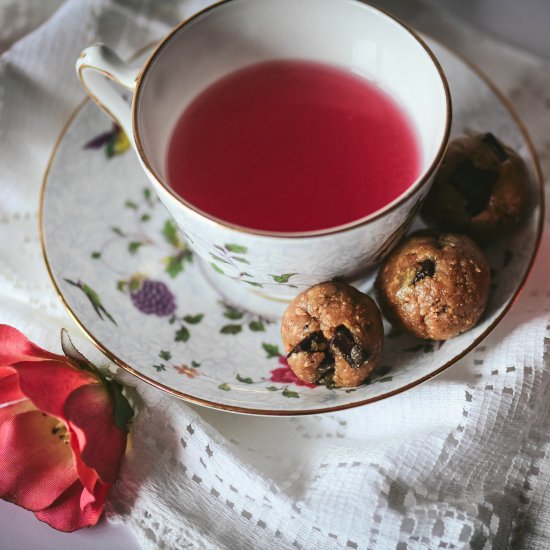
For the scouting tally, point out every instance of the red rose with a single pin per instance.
(285, 375)
(62, 432)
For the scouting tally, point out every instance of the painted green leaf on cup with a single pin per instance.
(134, 246)
(170, 233)
(131, 204)
(225, 387)
(160, 367)
(216, 267)
(236, 248)
(271, 350)
(118, 231)
(231, 329)
(239, 259)
(94, 299)
(174, 266)
(232, 313)
(256, 326)
(282, 278)
(289, 393)
(219, 259)
(252, 283)
(182, 334)
(194, 319)
(244, 380)
(165, 354)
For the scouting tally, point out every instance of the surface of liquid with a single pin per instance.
(292, 146)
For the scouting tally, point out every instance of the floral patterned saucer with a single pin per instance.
(134, 286)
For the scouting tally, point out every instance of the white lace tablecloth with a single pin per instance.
(461, 461)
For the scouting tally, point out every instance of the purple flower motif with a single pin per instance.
(102, 139)
(154, 298)
(114, 141)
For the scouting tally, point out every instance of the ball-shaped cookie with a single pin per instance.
(481, 189)
(434, 286)
(333, 335)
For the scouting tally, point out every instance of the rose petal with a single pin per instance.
(75, 508)
(88, 476)
(37, 465)
(48, 384)
(89, 410)
(16, 347)
(7, 411)
(9, 386)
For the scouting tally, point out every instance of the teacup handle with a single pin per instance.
(99, 61)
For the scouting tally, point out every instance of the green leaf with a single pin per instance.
(121, 285)
(256, 326)
(195, 365)
(252, 283)
(232, 313)
(194, 319)
(282, 278)
(118, 231)
(91, 293)
(145, 217)
(219, 259)
(123, 412)
(242, 260)
(159, 367)
(135, 283)
(165, 354)
(170, 232)
(134, 246)
(174, 266)
(231, 329)
(110, 148)
(272, 388)
(131, 204)
(147, 193)
(289, 393)
(172, 319)
(246, 380)
(96, 255)
(236, 248)
(216, 268)
(225, 387)
(182, 334)
(271, 350)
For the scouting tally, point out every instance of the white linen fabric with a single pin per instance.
(459, 462)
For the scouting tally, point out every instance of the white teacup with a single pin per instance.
(237, 33)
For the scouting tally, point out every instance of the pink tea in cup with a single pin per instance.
(292, 146)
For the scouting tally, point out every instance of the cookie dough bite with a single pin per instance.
(333, 335)
(481, 189)
(434, 286)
